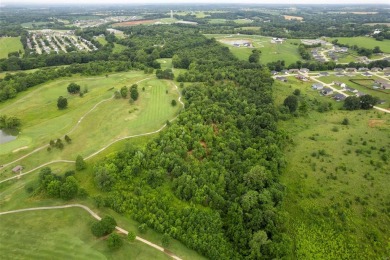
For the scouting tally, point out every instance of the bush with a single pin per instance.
(345, 121)
(114, 241)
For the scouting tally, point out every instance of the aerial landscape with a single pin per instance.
(195, 130)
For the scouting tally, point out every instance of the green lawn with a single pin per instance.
(216, 21)
(63, 233)
(118, 48)
(9, 44)
(111, 120)
(243, 21)
(269, 51)
(336, 181)
(365, 42)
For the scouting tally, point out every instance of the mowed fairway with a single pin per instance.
(63, 233)
(365, 42)
(269, 51)
(9, 44)
(92, 122)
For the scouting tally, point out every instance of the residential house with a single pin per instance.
(284, 79)
(293, 70)
(327, 91)
(338, 69)
(339, 97)
(363, 69)
(324, 73)
(385, 84)
(284, 72)
(367, 74)
(376, 69)
(317, 86)
(359, 94)
(339, 74)
(340, 84)
(301, 77)
(304, 70)
(351, 89)
(274, 72)
(350, 69)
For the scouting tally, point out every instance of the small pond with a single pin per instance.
(6, 136)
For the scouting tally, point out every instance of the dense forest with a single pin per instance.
(211, 179)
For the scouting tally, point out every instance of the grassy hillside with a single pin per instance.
(337, 179)
(9, 44)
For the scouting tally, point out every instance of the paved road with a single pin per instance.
(96, 216)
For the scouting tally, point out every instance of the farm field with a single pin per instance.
(9, 44)
(336, 179)
(269, 51)
(111, 120)
(365, 42)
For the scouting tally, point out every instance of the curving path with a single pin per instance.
(97, 152)
(96, 216)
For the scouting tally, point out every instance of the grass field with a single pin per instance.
(337, 178)
(64, 233)
(111, 120)
(269, 51)
(9, 44)
(365, 42)
(118, 48)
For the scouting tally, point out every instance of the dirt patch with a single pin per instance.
(375, 122)
(238, 42)
(289, 17)
(19, 149)
(132, 23)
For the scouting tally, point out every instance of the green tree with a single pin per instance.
(291, 102)
(254, 57)
(80, 163)
(131, 236)
(352, 103)
(345, 121)
(114, 241)
(142, 228)
(259, 239)
(117, 94)
(173, 102)
(62, 102)
(165, 240)
(367, 101)
(67, 139)
(297, 92)
(124, 91)
(69, 188)
(73, 88)
(134, 92)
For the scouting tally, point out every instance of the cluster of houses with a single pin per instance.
(278, 40)
(328, 91)
(244, 44)
(314, 42)
(341, 72)
(317, 55)
(98, 22)
(49, 41)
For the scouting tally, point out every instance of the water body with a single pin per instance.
(6, 137)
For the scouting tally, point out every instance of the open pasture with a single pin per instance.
(269, 51)
(9, 44)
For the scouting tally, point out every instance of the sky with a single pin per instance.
(197, 1)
